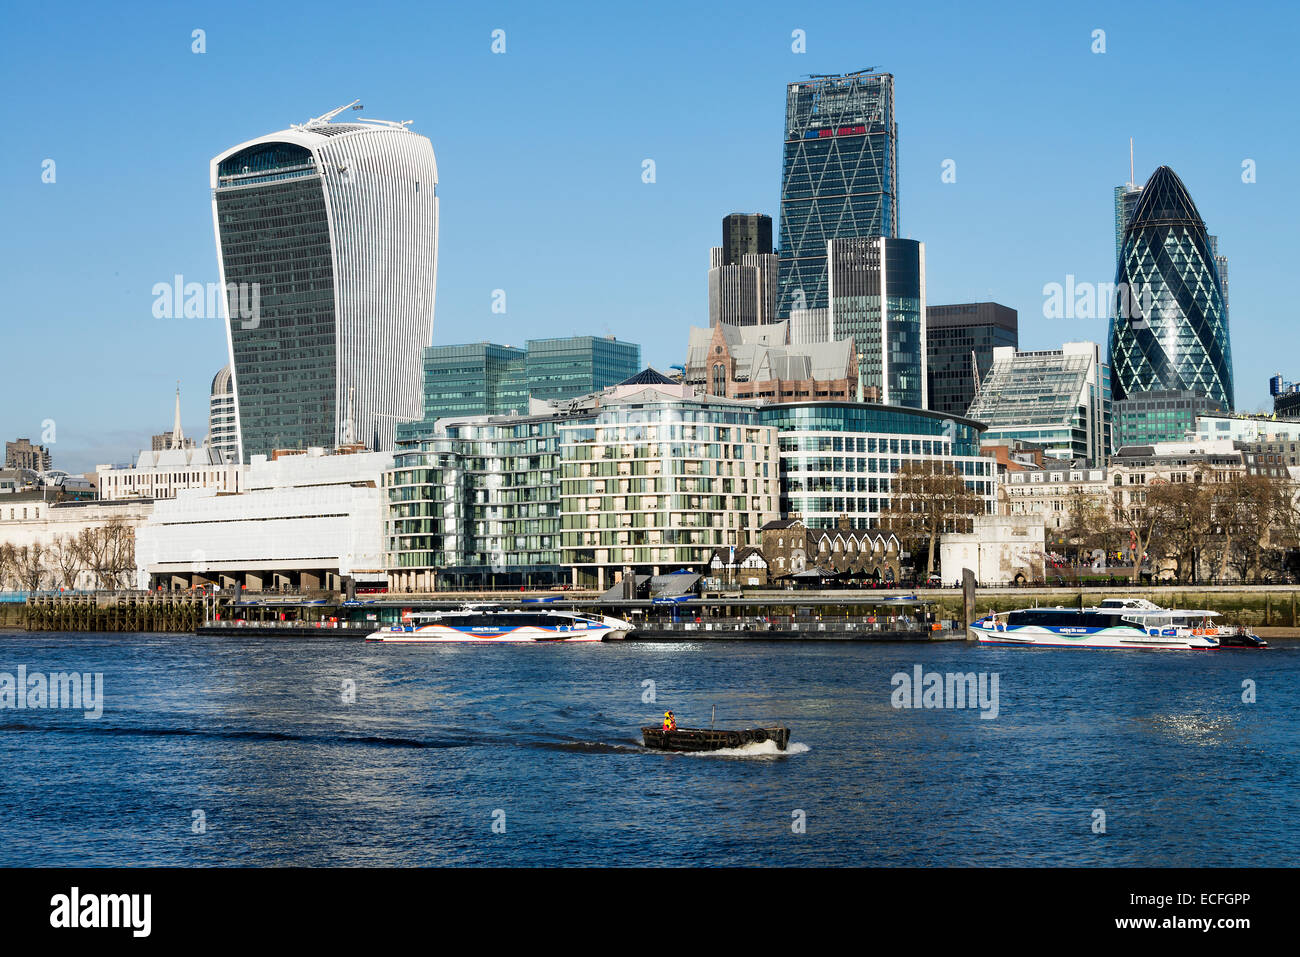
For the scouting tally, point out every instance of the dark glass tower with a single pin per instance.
(1167, 261)
(745, 234)
(838, 177)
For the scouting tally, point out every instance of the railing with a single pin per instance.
(240, 624)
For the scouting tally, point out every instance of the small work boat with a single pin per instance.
(707, 739)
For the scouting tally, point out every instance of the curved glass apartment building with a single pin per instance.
(840, 458)
(1175, 338)
(479, 504)
(327, 245)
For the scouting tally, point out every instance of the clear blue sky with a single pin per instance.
(540, 151)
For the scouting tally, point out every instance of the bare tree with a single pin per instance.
(66, 560)
(8, 563)
(31, 566)
(926, 500)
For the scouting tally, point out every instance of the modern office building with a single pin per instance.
(743, 272)
(959, 343)
(839, 177)
(876, 297)
(1286, 397)
(1160, 416)
(1059, 399)
(1216, 426)
(570, 367)
(21, 454)
(745, 234)
(167, 440)
(742, 293)
(1126, 200)
(1183, 345)
(327, 245)
(478, 378)
(487, 379)
(756, 362)
(223, 432)
(840, 458)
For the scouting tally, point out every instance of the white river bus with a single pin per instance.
(1128, 623)
(490, 624)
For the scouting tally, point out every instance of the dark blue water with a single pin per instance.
(441, 742)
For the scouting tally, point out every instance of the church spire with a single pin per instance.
(178, 437)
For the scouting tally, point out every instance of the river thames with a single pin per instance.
(329, 752)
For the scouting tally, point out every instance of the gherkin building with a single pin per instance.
(1170, 330)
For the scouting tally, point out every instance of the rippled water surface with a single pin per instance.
(444, 742)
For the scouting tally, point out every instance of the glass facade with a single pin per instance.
(568, 368)
(479, 505)
(475, 379)
(274, 231)
(959, 343)
(486, 379)
(838, 178)
(1167, 260)
(877, 299)
(659, 485)
(840, 458)
(1059, 399)
(1152, 417)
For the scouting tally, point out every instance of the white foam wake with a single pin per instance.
(756, 749)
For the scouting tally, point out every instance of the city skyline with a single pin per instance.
(975, 227)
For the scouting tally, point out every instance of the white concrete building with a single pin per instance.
(158, 475)
(1001, 549)
(301, 522)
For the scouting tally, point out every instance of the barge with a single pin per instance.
(707, 739)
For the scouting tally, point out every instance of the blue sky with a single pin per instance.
(540, 155)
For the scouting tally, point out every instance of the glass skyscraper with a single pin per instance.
(838, 178)
(876, 292)
(1167, 261)
(327, 245)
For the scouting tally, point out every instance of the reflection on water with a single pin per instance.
(439, 742)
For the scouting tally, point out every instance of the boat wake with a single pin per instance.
(764, 749)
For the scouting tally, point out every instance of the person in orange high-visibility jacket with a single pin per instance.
(670, 722)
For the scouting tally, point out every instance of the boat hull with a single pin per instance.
(527, 634)
(704, 739)
(1118, 639)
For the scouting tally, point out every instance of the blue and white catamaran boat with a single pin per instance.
(495, 624)
(1129, 623)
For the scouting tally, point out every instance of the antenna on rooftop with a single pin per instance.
(326, 117)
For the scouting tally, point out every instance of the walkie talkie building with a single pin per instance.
(838, 176)
(327, 244)
(1172, 332)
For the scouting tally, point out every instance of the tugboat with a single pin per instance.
(707, 739)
